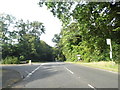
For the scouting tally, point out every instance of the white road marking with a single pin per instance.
(43, 64)
(69, 70)
(91, 86)
(29, 74)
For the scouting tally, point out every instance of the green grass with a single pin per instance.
(102, 65)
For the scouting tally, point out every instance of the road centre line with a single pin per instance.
(69, 70)
(91, 86)
(42, 64)
(79, 77)
(29, 74)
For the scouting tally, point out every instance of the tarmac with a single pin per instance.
(9, 77)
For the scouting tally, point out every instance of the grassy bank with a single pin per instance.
(102, 65)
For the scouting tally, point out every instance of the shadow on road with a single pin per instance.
(44, 72)
(10, 77)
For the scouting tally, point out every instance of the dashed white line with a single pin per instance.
(43, 64)
(29, 74)
(69, 70)
(91, 86)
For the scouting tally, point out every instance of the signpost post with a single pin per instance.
(30, 62)
(78, 57)
(109, 43)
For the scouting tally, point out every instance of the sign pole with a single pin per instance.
(109, 43)
(111, 52)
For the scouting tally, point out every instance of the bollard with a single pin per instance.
(78, 57)
(30, 62)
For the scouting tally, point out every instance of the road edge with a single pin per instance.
(94, 67)
(9, 85)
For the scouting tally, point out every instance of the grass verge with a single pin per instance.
(101, 65)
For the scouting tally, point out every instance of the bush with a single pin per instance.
(0, 61)
(11, 60)
(22, 58)
(116, 53)
(27, 61)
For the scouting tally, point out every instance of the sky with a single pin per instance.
(30, 10)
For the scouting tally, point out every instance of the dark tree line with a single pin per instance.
(21, 39)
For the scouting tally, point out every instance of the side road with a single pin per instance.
(10, 77)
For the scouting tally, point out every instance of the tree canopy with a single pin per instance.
(86, 26)
(21, 39)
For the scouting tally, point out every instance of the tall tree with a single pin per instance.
(94, 22)
(28, 45)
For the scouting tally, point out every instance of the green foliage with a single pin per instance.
(27, 61)
(22, 58)
(21, 39)
(86, 28)
(56, 38)
(116, 52)
(46, 52)
(11, 60)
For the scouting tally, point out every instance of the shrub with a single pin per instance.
(22, 58)
(11, 60)
(116, 53)
(27, 61)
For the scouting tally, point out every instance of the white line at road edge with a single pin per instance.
(69, 70)
(91, 86)
(29, 74)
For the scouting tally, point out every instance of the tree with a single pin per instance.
(46, 52)
(29, 38)
(94, 22)
(5, 22)
(21, 41)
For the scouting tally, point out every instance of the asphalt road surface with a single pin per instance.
(63, 75)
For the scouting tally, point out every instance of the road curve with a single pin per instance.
(64, 75)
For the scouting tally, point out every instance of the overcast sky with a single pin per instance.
(29, 10)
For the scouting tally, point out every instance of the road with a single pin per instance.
(64, 75)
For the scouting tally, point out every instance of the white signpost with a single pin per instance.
(78, 57)
(109, 43)
(30, 62)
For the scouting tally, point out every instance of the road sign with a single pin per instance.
(108, 41)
